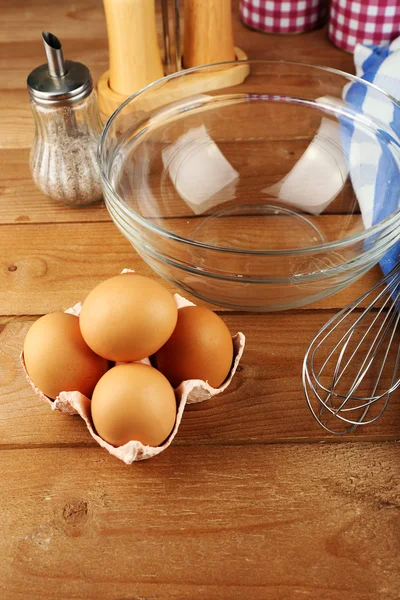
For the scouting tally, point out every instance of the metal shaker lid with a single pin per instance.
(58, 81)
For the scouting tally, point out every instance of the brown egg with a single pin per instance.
(58, 359)
(200, 348)
(128, 317)
(133, 402)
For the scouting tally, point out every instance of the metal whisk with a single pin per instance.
(351, 367)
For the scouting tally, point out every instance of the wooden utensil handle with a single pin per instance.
(208, 32)
(135, 59)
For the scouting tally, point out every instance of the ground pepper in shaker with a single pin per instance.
(63, 157)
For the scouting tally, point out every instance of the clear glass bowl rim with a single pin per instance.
(387, 222)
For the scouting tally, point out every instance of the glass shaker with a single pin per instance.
(63, 157)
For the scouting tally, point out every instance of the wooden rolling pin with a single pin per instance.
(135, 59)
(208, 32)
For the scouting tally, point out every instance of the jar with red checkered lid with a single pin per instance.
(283, 16)
(370, 22)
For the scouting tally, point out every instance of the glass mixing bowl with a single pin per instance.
(256, 185)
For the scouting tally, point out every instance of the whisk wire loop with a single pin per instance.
(350, 362)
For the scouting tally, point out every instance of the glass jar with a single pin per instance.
(63, 157)
(285, 17)
(372, 22)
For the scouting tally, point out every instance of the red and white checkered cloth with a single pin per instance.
(287, 16)
(370, 22)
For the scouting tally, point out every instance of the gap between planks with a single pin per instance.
(326, 441)
(108, 219)
(307, 310)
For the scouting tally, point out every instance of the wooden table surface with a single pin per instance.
(253, 500)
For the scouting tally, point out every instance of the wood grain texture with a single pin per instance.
(215, 523)
(208, 35)
(81, 27)
(23, 202)
(135, 60)
(227, 512)
(25, 18)
(264, 404)
(58, 264)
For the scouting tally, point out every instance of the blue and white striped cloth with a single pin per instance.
(375, 179)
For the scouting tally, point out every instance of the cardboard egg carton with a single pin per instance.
(189, 392)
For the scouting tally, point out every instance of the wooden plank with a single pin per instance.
(17, 126)
(312, 47)
(26, 19)
(21, 201)
(216, 523)
(47, 267)
(260, 162)
(21, 51)
(269, 120)
(77, 255)
(264, 229)
(265, 403)
(18, 59)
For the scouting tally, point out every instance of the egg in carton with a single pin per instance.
(188, 392)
